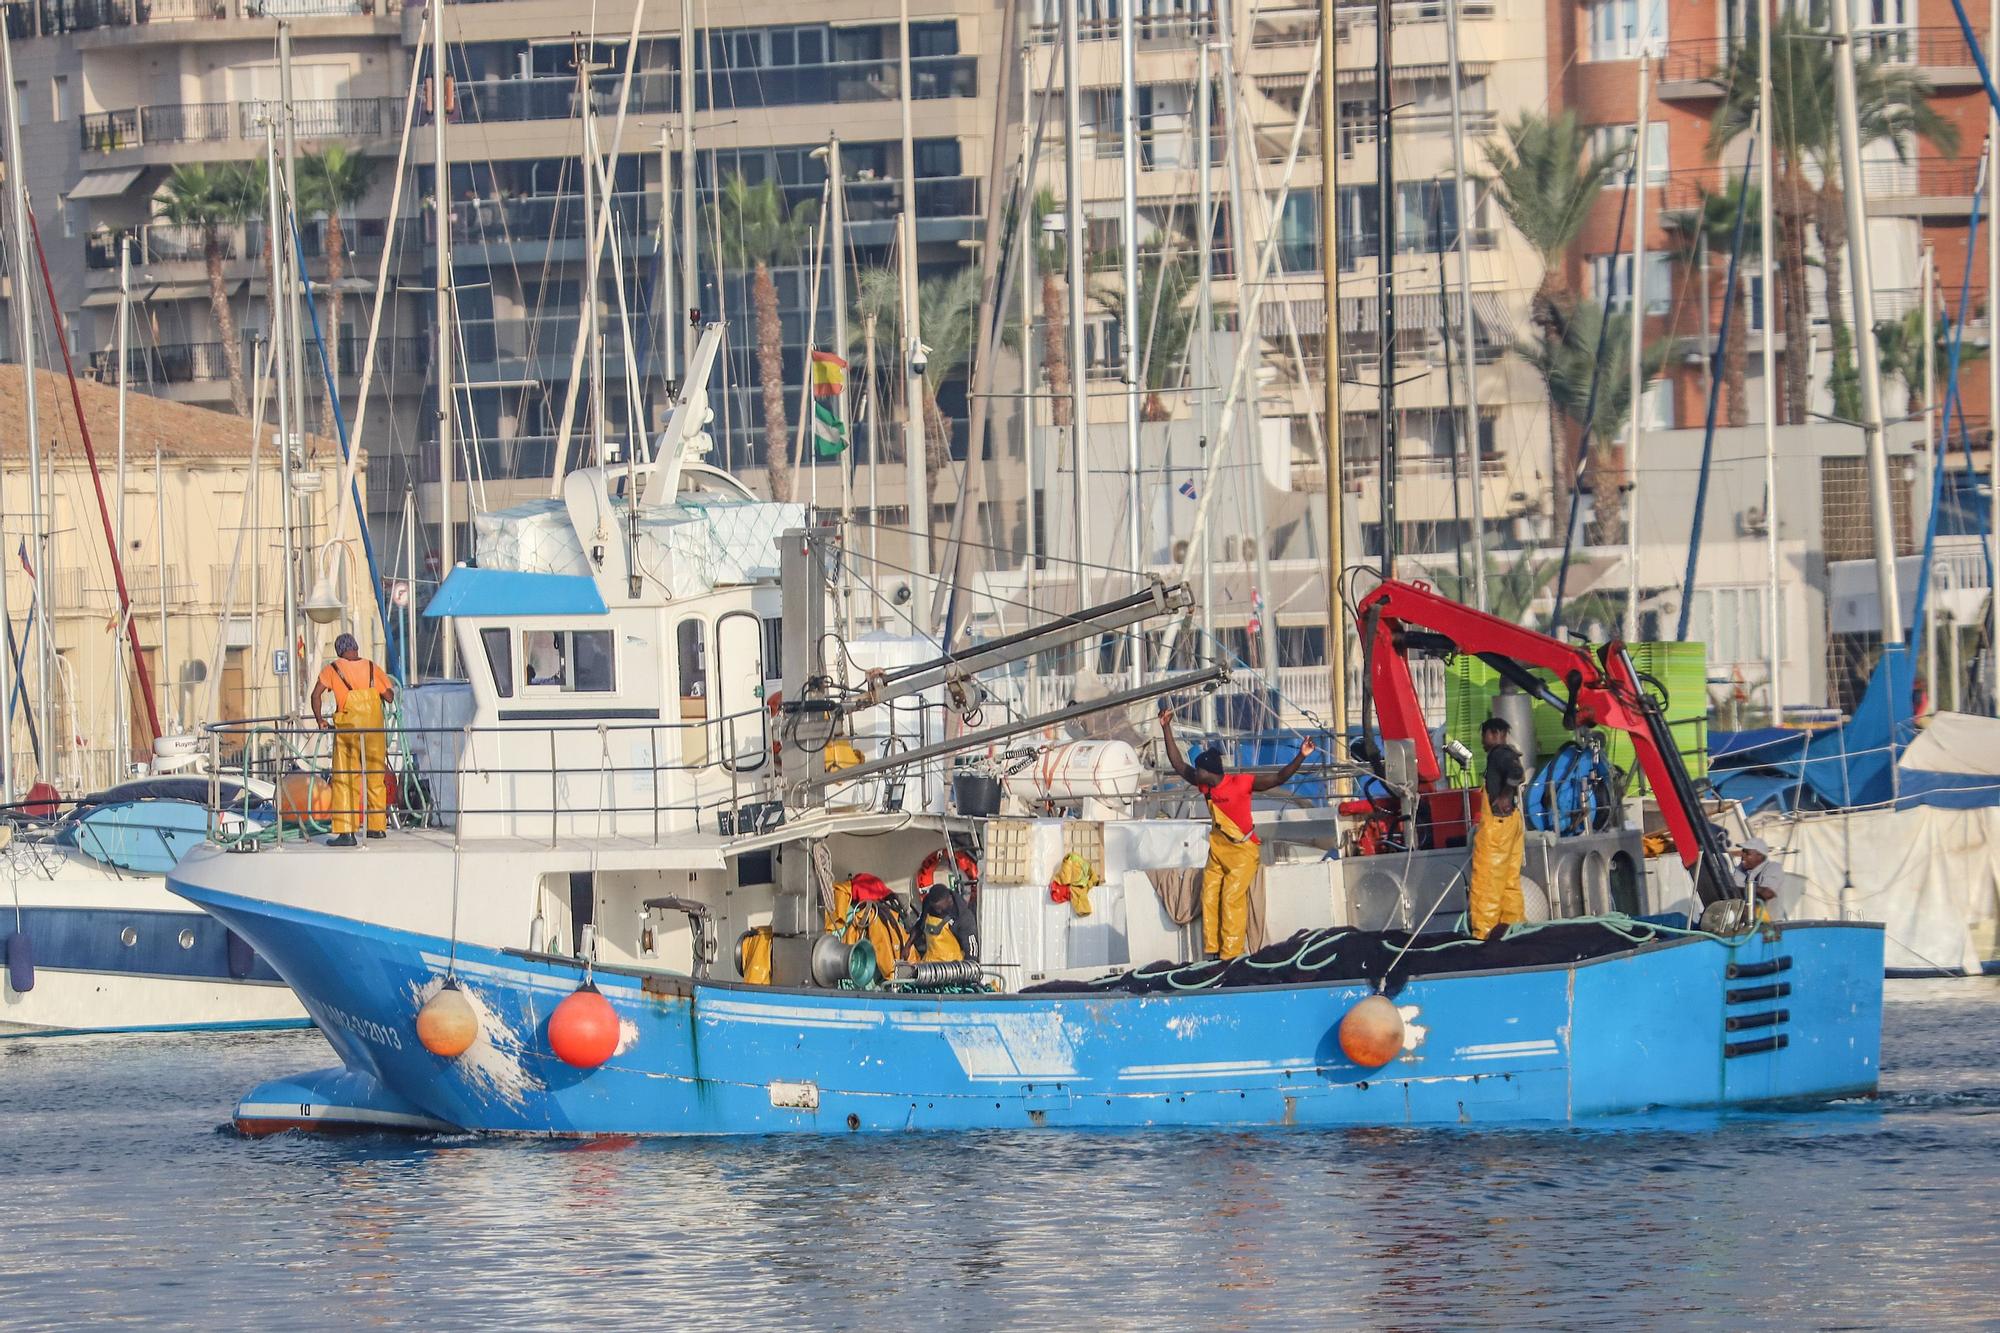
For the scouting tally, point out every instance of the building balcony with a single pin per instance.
(242, 122)
(159, 243)
(167, 363)
(52, 18)
(657, 92)
(1694, 69)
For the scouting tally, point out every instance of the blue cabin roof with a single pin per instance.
(505, 592)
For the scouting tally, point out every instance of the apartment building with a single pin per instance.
(133, 90)
(1919, 193)
(1273, 50)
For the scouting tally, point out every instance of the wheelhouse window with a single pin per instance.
(499, 645)
(572, 661)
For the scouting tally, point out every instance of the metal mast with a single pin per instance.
(283, 365)
(1861, 276)
(690, 279)
(1468, 358)
(1128, 124)
(1204, 118)
(916, 465)
(447, 396)
(1385, 209)
(24, 319)
(1767, 355)
(1079, 411)
(123, 726)
(1329, 267)
(1635, 429)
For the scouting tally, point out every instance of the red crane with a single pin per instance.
(1594, 689)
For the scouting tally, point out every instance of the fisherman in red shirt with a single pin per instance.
(1233, 849)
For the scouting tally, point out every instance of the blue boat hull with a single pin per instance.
(1660, 1025)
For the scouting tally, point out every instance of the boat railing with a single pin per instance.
(646, 780)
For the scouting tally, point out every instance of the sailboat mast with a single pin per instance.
(160, 540)
(24, 318)
(1128, 126)
(836, 200)
(1073, 239)
(1385, 217)
(1204, 117)
(1993, 373)
(447, 394)
(690, 281)
(1329, 268)
(1468, 354)
(592, 279)
(1767, 355)
(289, 267)
(1862, 278)
(916, 464)
(1636, 357)
(122, 728)
(283, 366)
(1241, 151)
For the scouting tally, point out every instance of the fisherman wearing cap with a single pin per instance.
(1233, 852)
(360, 750)
(1763, 879)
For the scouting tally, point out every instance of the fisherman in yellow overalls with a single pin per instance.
(1233, 846)
(1493, 888)
(360, 749)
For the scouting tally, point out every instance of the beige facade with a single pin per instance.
(210, 642)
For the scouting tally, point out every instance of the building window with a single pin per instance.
(1611, 281)
(60, 105)
(1626, 29)
(1731, 622)
(1606, 140)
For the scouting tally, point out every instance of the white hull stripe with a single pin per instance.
(313, 1111)
(1512, 1050)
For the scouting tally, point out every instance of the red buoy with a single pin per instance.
(583, 1030)
(1371, 1033)
(447, 1025)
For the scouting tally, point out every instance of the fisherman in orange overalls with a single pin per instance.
(360, 749)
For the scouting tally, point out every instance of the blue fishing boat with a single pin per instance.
(636, 905)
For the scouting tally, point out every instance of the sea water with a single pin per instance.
(127, 1198)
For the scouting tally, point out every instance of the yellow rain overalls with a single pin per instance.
(360, 750)
(1233, 857)
(1493, 891)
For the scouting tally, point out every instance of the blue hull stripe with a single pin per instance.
(92, 939)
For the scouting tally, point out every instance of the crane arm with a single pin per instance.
(1604, 691)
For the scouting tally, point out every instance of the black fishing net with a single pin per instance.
(1336, 954)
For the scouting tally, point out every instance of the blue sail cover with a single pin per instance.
(1854, 764)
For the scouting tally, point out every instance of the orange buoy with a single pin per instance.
(583, 1030)
(447, 1025)
(1371, 1033)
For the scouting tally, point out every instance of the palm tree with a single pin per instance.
(1892, 103)
(1710, 230)
(948, 313)
(1568, 368)
(1901, 343)
(1052, 261)
(332, 181)
(208, 197)
(1161, 334)
(758, 231)
(1512, 584)
(1546, 176)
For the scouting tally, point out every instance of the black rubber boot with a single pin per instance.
(377, 833)
(342, 840)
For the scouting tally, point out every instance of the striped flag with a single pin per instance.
(1187, 489)
(829, 375)
(829, 436)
